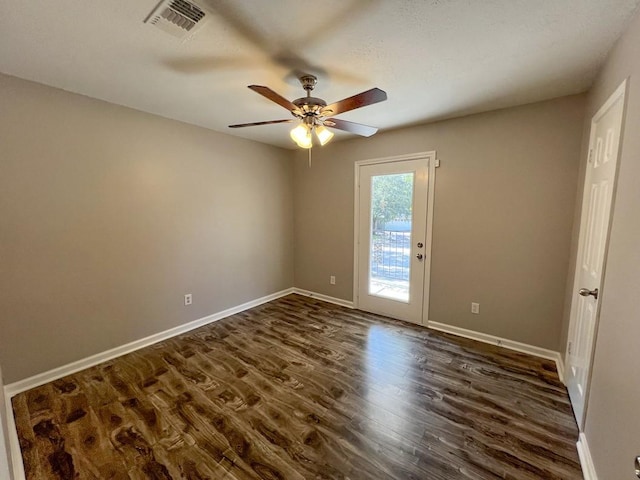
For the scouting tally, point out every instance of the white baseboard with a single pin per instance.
(502, 342)
(13, 389)
(560, 367)
(6, 456)
(586, 462)
(14, 444)
(324, 298)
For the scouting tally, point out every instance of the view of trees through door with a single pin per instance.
(391, 202)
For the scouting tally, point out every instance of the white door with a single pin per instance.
(594, 233)
(392, 249)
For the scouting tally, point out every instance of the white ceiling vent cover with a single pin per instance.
(177, 17)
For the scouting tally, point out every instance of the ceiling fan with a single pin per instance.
(315, 115)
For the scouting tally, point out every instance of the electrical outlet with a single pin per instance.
(332, 280)
(475, 308)
(188, 299)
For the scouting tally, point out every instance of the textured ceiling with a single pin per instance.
(436, 59)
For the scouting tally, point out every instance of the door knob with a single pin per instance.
(637, 465)
(419, 256)
(585, 292)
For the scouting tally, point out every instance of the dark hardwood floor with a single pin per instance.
(301, 389)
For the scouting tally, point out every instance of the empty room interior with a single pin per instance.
(408, 250)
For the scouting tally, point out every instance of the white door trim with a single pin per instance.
(620, 92)
(431, 159)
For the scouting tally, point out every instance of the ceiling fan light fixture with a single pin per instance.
(302, 135)
(312, 113)
(324, 135)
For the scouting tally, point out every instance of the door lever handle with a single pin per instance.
(585, 292)
(419, 256)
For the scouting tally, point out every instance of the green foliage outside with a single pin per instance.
(391, 198)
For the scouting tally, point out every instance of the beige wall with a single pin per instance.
(613, 420)
(109, 215)
(504, 207)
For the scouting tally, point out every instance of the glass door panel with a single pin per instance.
(390, 236)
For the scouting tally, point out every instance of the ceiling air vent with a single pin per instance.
(177, 17)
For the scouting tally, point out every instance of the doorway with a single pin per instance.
(599, 187)
(393, 235)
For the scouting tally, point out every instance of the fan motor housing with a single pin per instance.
(310, 105)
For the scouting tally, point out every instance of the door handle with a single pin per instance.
(585, 292)
(419, 256)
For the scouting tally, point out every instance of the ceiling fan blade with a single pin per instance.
(273, 96)
(351, 127)
(240, 125)
(363, 99)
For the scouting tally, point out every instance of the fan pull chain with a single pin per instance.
(310, 148)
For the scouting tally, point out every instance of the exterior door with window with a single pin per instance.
(392, 249)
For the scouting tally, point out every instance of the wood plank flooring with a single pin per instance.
(301, 389)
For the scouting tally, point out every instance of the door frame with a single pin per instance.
(432, 162)
(620, 92)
